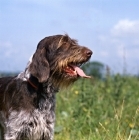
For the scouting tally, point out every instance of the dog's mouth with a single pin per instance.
(75, 70)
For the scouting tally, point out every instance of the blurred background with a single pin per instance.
(109, 28)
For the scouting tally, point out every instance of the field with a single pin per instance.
(93, 109)
(99, 110)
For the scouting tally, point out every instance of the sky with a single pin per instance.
(110, 28)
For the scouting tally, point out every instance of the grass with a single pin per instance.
(94, 109)
(99, 110)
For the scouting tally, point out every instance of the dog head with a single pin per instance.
(59, 58)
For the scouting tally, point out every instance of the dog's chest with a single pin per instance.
(34, 125)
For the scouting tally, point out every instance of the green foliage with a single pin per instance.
(99, 110)
(94, 109)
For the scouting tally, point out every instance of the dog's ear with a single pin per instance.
(39, 66)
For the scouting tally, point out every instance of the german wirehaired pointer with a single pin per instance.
(27, 101)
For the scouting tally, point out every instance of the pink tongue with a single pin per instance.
(80, 72)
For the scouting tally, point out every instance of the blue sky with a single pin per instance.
(109, 28)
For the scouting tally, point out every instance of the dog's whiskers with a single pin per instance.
(27, 103)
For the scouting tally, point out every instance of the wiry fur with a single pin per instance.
(27, 101)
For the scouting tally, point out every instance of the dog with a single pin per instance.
(27, 101)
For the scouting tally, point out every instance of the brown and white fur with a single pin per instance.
(27, 101)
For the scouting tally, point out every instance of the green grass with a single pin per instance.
(99, 110)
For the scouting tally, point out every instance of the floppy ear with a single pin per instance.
(39, 66)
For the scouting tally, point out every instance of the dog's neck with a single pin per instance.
(47, 86)
(45, 92)
(33, 81)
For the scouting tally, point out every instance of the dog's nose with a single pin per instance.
(89, 53)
